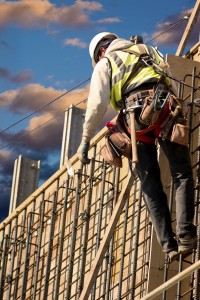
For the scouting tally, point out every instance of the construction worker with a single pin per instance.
(113, 61)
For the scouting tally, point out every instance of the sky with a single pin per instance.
(44, 56)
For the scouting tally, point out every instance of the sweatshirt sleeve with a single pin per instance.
(98, 99)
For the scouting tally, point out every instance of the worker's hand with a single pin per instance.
(83, 152)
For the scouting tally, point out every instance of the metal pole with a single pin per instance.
(73, 238)
(86, 225)
(19, 259)
(3, 268)
(39, 245)
(197, 275)
(100, 217)
(61, 241)
(27, 256)
(191, 107)
(110, 251)
(123, 251)
(171, 282)
(13, 242)
(50, 246)
(135, 253)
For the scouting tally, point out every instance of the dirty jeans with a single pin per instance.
(154, 196)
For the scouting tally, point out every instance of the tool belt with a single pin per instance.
(158, 114)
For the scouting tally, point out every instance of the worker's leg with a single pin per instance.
(180, 166)
(155, 198)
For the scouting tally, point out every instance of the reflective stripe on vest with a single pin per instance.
(123, 63)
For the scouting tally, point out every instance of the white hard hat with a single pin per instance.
(95, 41)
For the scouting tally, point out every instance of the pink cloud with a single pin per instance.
(173, 36)
(39, 13)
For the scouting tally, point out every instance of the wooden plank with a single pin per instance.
(188, 29)
(91, 277)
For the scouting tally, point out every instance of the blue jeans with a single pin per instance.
(154, 196)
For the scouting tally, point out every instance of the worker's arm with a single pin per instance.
(97, 104)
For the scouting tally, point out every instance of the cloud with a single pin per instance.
(109, 20)
(17, 78)
(75, 42)
(33, 96)
(39, 13)
(173, 36)
(30, 99)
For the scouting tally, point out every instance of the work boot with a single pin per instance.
(173, 255)
(187, 243)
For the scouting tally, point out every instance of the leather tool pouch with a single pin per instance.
(116, 143)
(148, 115)
(177, 131)
(120, 137)
(110, 154)
(180, 134)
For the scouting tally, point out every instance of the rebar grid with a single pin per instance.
(48, 248)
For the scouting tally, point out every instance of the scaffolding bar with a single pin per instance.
(166, 285)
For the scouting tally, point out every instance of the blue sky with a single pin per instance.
(44, 53)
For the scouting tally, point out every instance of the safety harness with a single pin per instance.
(159, 104)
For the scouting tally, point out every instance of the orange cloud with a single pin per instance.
(39, 13)
(45, 128)
(33, 96)
(174, 34)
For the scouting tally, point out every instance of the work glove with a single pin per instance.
(83, 152)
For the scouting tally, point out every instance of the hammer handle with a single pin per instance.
(133, 137)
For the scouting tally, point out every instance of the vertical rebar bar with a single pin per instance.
(123, 251)
(50, 246)
(191, 107)
(166, 263)
(3, 266)
(73, 237)
(101, 203)
(110, 251)
(39, 245)
(19, 259)
(197, 217)
(135, 253)
(86, 226)
(61, 241)
(27, 256)
(13, 243)
(178, 294)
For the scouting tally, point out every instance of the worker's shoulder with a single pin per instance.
(102, 65)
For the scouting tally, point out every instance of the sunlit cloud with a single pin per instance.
(172, 37)
(44, 129)
(39, 13)
(75, 42)
(34, 96)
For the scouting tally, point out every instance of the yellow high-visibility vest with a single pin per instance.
(125, 62)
